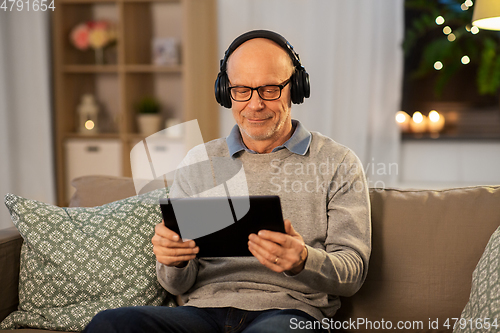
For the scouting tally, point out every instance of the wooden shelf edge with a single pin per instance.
(113, 69)
(146, 68)
(130, 136)
(138, 137)
(91, 136)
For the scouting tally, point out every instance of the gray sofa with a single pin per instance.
(426, 244)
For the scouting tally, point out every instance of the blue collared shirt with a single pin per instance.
(298, 143)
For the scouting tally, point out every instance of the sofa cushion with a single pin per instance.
(98, 190)
(426, 244)
(76, 262)
(484, 300)
(94, 191)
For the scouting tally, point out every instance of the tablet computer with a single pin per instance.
(202, 218)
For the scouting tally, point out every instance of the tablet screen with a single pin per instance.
(219, 229)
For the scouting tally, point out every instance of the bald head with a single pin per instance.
(259, 55)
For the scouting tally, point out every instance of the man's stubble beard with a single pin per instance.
(269, 133)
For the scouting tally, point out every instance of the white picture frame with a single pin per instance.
(165, 51)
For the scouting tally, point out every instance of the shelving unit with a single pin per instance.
(185, 91)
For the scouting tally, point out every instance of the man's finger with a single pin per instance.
(174, 261)
(165, 232)
(269, 244)
(167, 243)
(273, 236)
(264, 261)
(175, 252)
(289, 228)
(262, 251)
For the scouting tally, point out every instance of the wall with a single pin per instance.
(449, 163)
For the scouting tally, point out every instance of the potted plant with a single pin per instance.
(148, 115)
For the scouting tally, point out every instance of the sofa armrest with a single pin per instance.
(10, 250)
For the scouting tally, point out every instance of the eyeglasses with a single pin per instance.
(267, 93)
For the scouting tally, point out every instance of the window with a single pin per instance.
(451, 67)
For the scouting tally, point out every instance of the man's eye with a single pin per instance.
(241, 91)
(270, 90)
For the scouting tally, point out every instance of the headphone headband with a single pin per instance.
(271, 35)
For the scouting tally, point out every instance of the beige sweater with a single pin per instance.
(324, 193)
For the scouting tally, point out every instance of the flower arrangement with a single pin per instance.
(93, 34)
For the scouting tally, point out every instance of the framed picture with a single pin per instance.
(165, 51)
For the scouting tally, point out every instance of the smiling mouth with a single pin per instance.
(259, 122)
(258, 119)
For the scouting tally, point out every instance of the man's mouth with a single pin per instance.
(257, 119)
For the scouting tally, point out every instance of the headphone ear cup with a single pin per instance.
(296, 88)
(306, 86)
(222, 90)
(300, 88)
(217, 89)
(226, 97)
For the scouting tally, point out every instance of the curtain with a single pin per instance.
(26, 153)
(352, 52)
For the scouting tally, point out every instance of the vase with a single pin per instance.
(99, 56)
(148, 123)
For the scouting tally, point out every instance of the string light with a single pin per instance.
(417, 117)
(468, 3)
(438, 65)
(464, 6)
(452, 37)
(474, 30)
(465, 60)
(434, 116)
(447, 30)
(439, 20)
(400, 117)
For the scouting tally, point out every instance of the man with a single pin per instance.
(293, 280)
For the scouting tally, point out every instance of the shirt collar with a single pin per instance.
(298, 143)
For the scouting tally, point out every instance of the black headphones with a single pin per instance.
(299, 81)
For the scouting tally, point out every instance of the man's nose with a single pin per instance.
(256, 102)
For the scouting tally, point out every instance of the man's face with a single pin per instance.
(255, 63)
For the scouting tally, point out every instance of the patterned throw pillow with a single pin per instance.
(482, 312)
(78, 261)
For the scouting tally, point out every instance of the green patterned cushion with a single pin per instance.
(484, 300)
(78, 261)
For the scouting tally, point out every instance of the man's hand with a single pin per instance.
(279, 252)
(169, 249)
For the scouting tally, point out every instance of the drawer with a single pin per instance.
(155, 157)
(91, 157)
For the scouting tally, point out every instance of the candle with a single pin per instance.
(418, 123)
(403, 120)
(436, 122)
